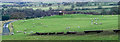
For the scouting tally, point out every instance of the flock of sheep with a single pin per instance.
(93, 21)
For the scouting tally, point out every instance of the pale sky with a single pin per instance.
(59, 0)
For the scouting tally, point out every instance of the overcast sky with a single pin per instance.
(59, 0)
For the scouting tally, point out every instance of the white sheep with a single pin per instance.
(68, 28)
(19, 31)
(12, 33)
(31, 32)
(112, 15)
(41, 17)
(97, 18)
(102, 15)
(91, 20)
(33, 19)
(25, 20)
(46, 26)
(25, 29)
(38, 18)
(96, 23)
(51, 15)
(25, 32)
(100, 23)
(78, 26)
(94, 18)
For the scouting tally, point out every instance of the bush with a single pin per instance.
(5, 17)
(99, 7)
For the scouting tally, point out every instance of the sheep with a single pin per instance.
(95, 23)
(41, 17)
(94, 18)
(25, 20)
(112, 15)
(78, 26)
(25, 32)
(68, 28)
(12, 33)
(51, 15)
(38, 18)
(25, 29)
(116, 15)
(33, 19)
(102, 15)
(91, 20)
(97, 18)
(31, 32)
(100, 23)
(19, 31)
(46, 26)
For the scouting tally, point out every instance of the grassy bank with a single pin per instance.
(75, 22)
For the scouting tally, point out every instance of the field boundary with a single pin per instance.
(78, 33)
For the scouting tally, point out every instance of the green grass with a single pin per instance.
(59, 23)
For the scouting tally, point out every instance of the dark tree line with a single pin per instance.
(13, 13)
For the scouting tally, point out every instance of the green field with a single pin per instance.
(57, 23)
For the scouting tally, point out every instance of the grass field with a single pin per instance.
(57, 23)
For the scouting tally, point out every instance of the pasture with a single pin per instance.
(64, 23)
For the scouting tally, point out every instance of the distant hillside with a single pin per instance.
(60, 0)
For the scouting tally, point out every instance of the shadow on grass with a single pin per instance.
(82, 33)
